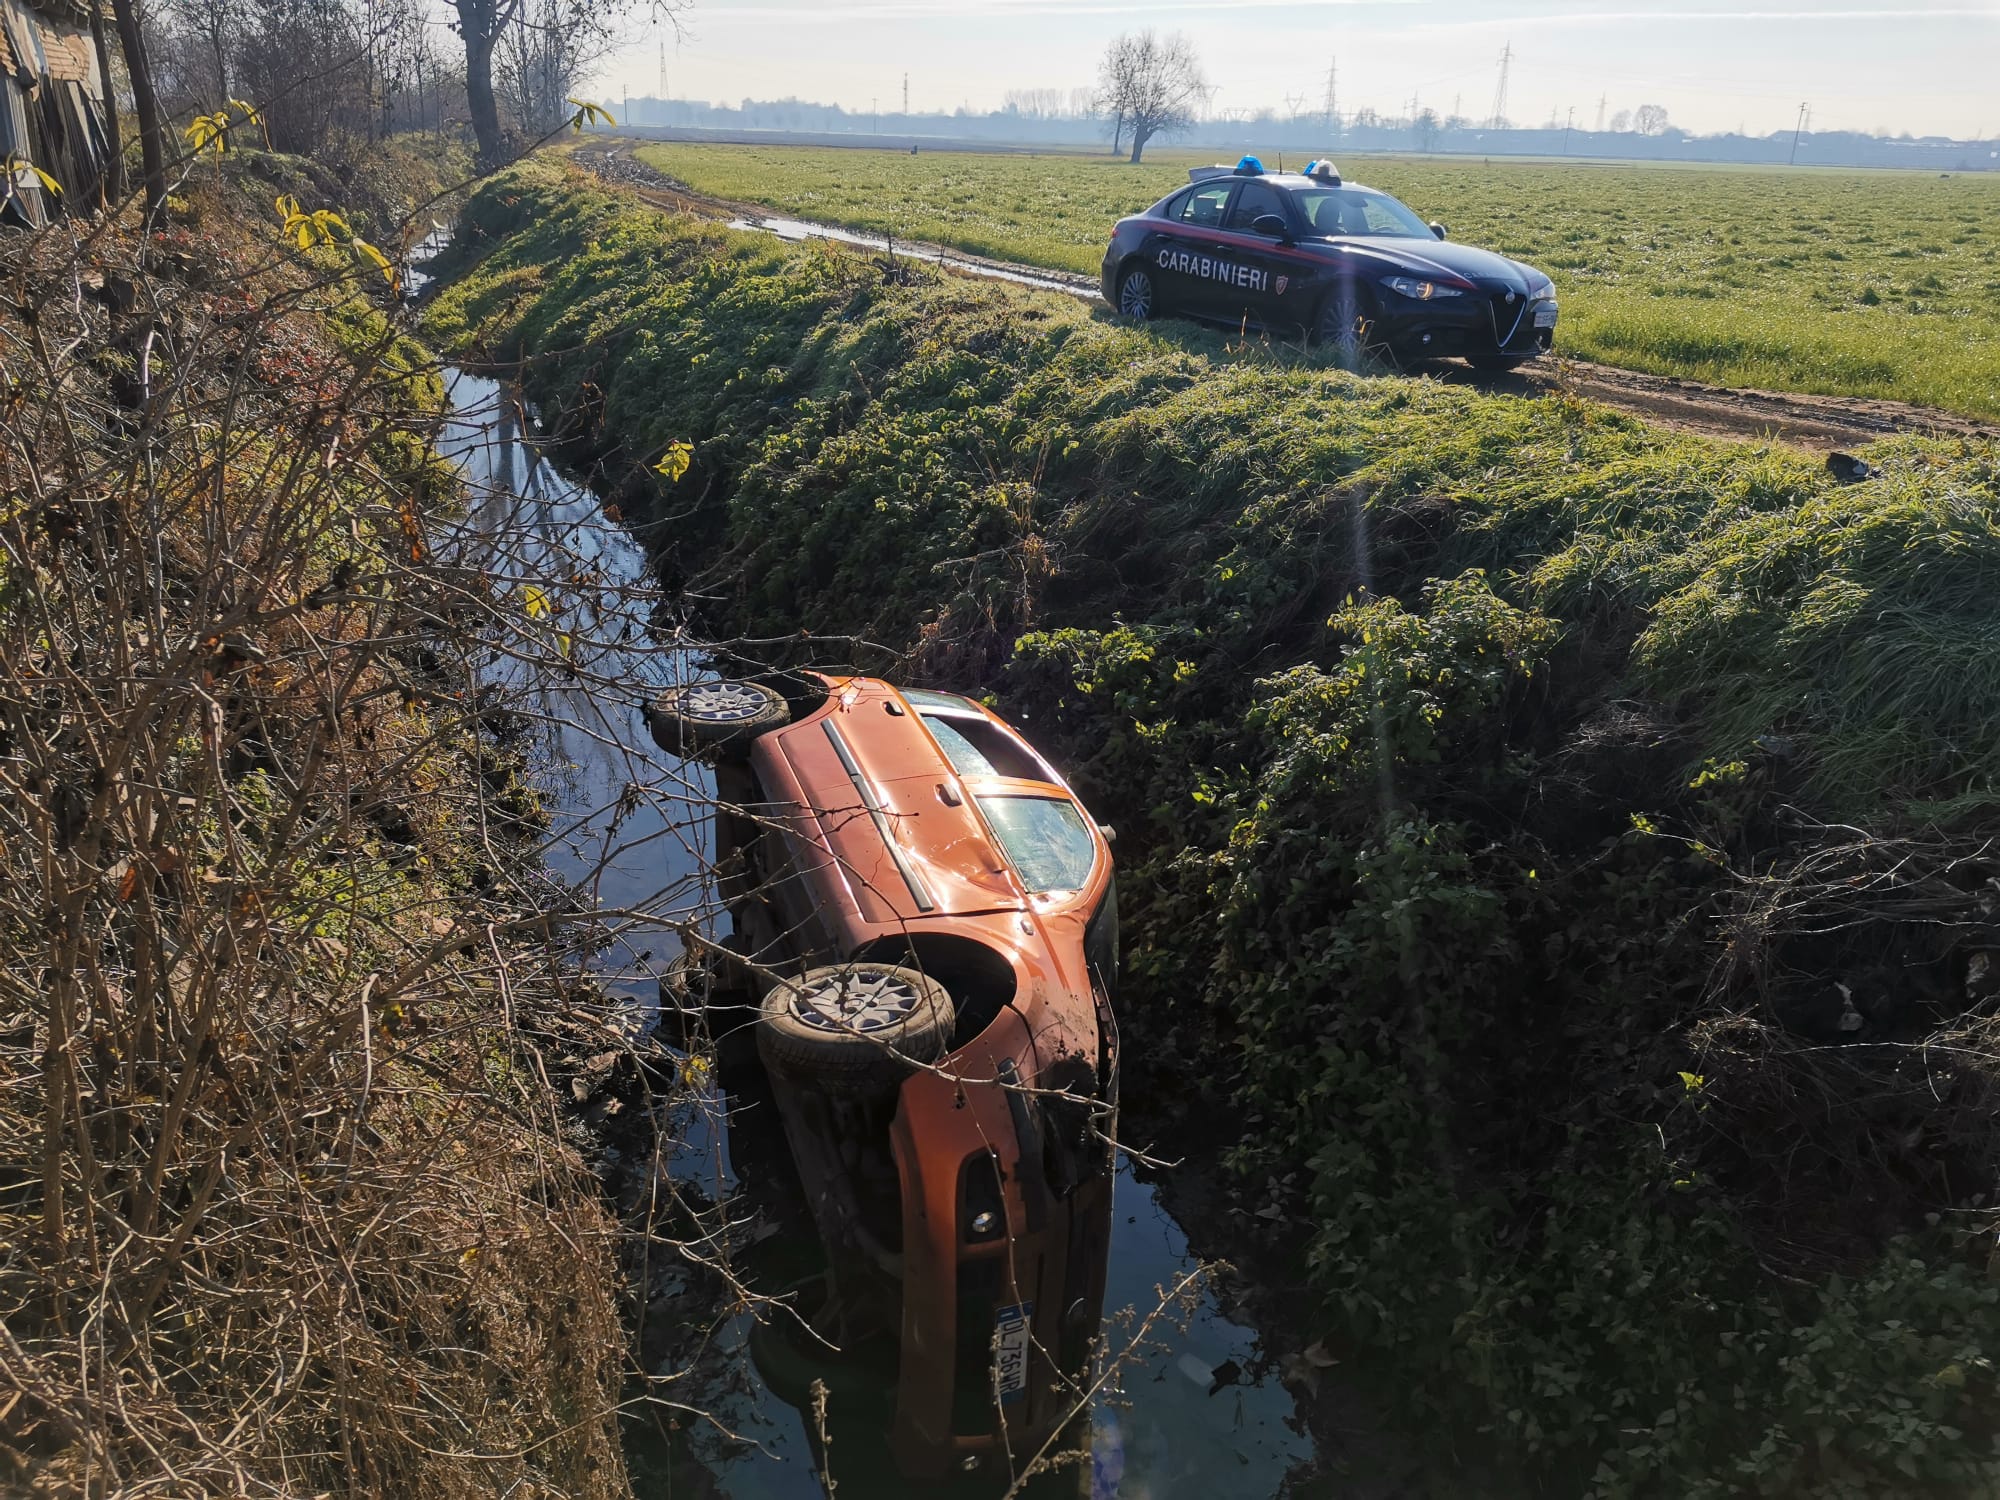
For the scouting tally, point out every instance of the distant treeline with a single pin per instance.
(1313, 134)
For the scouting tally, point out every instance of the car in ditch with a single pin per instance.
(925, 954)
(1309, 252)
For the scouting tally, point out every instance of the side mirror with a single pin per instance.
(1439, 230)
(1272, 225)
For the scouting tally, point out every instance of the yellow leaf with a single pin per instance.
(536, 603)
(674, 462)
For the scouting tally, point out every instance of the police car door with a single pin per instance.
(1190, 247)
(1257, 271)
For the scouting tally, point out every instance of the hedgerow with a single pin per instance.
(1559, 844)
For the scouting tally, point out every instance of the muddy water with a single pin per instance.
(1186, 1415)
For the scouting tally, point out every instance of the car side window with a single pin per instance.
(975, 747)
(1204, 206)
(1252, 203)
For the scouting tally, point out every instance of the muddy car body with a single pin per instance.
(930, 917)
(1309, 252)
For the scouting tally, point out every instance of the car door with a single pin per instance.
(1190, 247)
(1258, 269)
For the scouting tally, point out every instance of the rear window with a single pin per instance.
(1045, 838)
(976, 748)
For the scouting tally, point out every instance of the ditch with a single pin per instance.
(1197, 1409)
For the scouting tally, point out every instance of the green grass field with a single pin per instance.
(1842, 283)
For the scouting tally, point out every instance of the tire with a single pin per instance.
(1338, 330)
(703, 1000)
(1496, 364)
(718, 713)
(855, 1025)
(1138, 295)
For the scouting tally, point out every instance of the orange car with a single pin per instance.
(931, 919)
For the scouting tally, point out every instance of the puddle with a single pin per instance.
(801, 229)
(630, 831)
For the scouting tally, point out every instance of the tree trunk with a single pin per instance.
(152, 148)
(1139, 139)
(480, 104)
(113, 184)
(1117, 131)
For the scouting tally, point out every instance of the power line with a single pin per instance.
(1602, 100)
(1805, 113)
(1333, 95)
(906, 96)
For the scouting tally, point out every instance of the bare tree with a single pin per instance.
(483, 25)
(1622, 121)
(303, 62)
(1153, 84)
(1650, 120)
(544, 57)
(146, 104)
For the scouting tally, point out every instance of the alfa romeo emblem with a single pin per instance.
(1510, 299)
(1283, 282)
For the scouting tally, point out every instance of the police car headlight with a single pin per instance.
(1423, 291)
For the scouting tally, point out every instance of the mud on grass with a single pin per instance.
(1534, 826)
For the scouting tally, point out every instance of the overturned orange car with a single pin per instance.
(925, 953)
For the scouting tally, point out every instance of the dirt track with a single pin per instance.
(1815, 422)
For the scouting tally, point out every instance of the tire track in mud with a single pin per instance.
(1817, 423)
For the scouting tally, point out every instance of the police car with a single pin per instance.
(1308, 252)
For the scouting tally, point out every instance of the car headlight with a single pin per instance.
(1422, 291)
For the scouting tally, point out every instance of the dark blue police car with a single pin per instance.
(1346, 265)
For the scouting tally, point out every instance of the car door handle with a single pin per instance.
(948, 795)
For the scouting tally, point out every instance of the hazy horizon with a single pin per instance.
(1924, 69)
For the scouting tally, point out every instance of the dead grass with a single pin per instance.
(285, 1204)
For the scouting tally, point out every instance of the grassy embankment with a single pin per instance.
(285, 1205)
(1557, 846)
(1839, 283)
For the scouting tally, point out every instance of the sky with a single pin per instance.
(1929, 69)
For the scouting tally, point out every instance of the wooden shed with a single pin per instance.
(52, 103)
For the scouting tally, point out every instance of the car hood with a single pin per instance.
(1434, 257)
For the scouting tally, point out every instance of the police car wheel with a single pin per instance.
(1136, 297)
(1339, 331)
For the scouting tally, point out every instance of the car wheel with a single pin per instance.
(1138, 297)
(790, 1359)
(1340, 330)
(857, 1024)
(1498, 363)
(717, 713)
(704, 1001)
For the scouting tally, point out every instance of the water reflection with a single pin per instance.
(1182, 1416)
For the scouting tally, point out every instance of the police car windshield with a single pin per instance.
(1356, 211)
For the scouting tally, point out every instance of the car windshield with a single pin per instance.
(1356, 211)
(1045, 838)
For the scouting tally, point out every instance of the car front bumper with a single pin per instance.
(1479, 323)
(997, 1331)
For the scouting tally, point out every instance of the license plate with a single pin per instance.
(1545, 315)
(1010, 1344)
